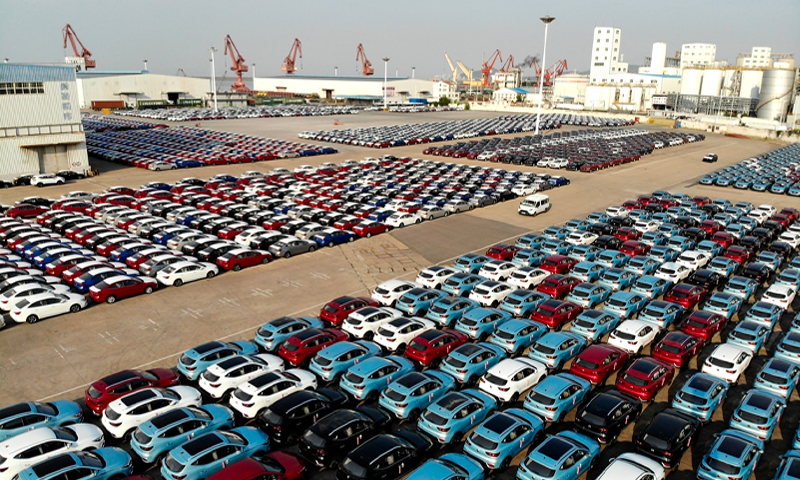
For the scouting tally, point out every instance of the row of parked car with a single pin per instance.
(225, 113)
(452, 355)
(776, 172)
(93, 122)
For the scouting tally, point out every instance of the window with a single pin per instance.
(21, 88)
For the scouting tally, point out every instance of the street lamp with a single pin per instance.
(254, 75)
(145, 64)
(385, 70)
(547, 20)
(213, 79)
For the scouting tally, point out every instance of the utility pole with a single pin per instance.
(385, 70)
(547, 20)
(213, 79)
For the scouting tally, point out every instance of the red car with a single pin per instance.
(558, 264)
(646, 199)
(556, 313)
(57, 267)
(71, 273)
(792, 213)
(121, 190)
(704, 325)
(122, 200)
(645, 378)
(368, 229)
(430, 348)
(230, 232)
(633, 205)
(700, 201)
(627, 233)
(107, 389)
(710, 226)
(784, 220)
(276, 222)
(669, 202)
(138, 258)
(725, 239)
(272, 466)
(117, 288)
(740, 253)
(302, 346)
(634, 248)
(686, 295)
(598, 362)
(557, 286)
(338, 309)
(364, 212)
(347, 223)
(501, 251)
(677, 348)
(106, 249)
(240, 258)
(25, 210)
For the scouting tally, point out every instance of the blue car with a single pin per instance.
(650, 286)
(450, 417)
(794, 262)
(669, 229)
(503, 436)
(789, 469)
(576, 224)
(555, 396)
(470, 263)
(594, 324)
(738, 229)
(555, 247)
(86, 281)
(733, 454)
(778, 377)
(121, 255)
(450, 466)
(564, 456)
(612, 258)
(588, 295)
(207, 454)
(789, 347)
(680, 244)
(335, 237)
(725, 304)
(723, 266)
(196, 360)
(521, 303)
(515, 335)
(417, 301)
(789, 277)
(596, 217)
(470, 361)
(642, 265)
(587, 271)
(701, 396)
(750, 335)
(410, 394)
(448, 310)
(584, 253)
(171, 429)
(742, 287)
(758, 414)
(663, 254)
(638, 214)
(556, 233)
(617, 279)
(625, 304)
(479, 323)
(712, 248)
(101, 464)
(528, 258)
(272, 334)
(530, 240)
(661, 314)
(764, 313)
(654, 239)
(461, 284)
(366, 379)
(334, 360)
(22, 417)
(555, 349)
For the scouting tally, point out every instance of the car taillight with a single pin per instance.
(247, 405)
(146, 449)
(214, 385)
(402, 405)
(493, 454)
(443, 429)
(115, 424)
(730, 371)
(763, 427)
(504, 389)
(551, 409)
(359, 387)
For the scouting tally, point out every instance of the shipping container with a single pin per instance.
(112, 104)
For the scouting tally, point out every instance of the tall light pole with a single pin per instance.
(547, 20)
(254, 75)
(145, 64)
(213, 79)
(385, 70)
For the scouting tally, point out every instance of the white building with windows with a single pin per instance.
(606, 54)
(762, 57)
(443, 88)
(698, 54)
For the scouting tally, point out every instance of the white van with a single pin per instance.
(535, 204)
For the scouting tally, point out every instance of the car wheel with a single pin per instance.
(493, 304)
(148, 290)
(369, 336)
(237, 267)
(312, 248)
(264, 260)
(446, 213)
(111, 299)
(473, 380)
(75, 308)
(210, 274)
(435, 364)
(287, 255)
(400, 349)
(40, 185)
(505, 464)
(331, 245)
(414, 415)
(178, 282)
(514, 398)
(369, 234)
(419, 220)
(32, 319)
(351, 239)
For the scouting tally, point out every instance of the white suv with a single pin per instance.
(26, 449)
(396, 334)
(490, 293)
(435, 276)
(128, 412)
(259, 393)
(510, 378)
(363, 323)
(46, 179)
(224, 376)
(388, 292)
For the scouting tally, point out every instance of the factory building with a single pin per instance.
(697, 54)
(349, 87)
(570, 88)
(606, 54)
(140, 89)
(762, 57)
(40, 123)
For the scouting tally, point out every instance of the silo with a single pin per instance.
(691, 78)
(751, 83)
(712, 82)
(776, 93)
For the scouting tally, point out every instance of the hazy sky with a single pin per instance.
(174, 34)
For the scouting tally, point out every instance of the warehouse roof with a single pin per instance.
(375, 78)
(20, 72)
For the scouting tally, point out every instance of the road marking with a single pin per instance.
(320, 275)
(291, 283)
(66, 349)
(228, 302)
(190, 312)
(261, 292)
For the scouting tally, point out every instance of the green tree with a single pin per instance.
(519, 98)
(444, 101)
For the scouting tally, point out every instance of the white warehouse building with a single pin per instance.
(134, 86)
(350, 87)
(40, 120)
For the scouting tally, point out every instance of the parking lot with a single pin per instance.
(59, 357)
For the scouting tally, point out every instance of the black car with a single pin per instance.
(655, 208)
(607, 242)
(668, 435)
(385, 457)
(619, 222)
(696, 234)
(338, 433)
(781, 248)
(602, 228)
(70, 175)
(706, 278)
(754, 243)
(216, 225)
(23, 180)
(191, 181)
(313, 215)
(606, 415)
(292, 226)
(266, 242)
(258, 218)
(758, 271)
(6, 184)
(193, 248)
(686, 222)
(776, 227)
(212, 253)
(290, 416)
(38, 201)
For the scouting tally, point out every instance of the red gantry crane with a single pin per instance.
(366, 65)
(551, 73)
(288, 62)
(488, 65)
(69, 34)
(508, 65)
(238, 65)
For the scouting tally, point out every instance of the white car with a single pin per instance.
(490, 293)
(183, 271)
(633, 335)
(396, 204)
(224, 376)
(128, 412)
(400, 220)
(527, 277)
(766, 208)
(79, 195)
(727, 362)
(23, 292)
(37, 445)
(308, 232)
(46, 179)
(497, 270)
(617, 211)
(581, 238)
(305, 169)
(512, 377)
(645, 226)
(458, 206)
(388, 292)
(632, 466)
(673, 272)
(363, 323)
(759, 216)
(524, 189)
(255, 395)
(790, 237)
(179, 241)
(395, 335)
(435, 276)
(780, 295)
(248, 235)
(46, 305)
(431, 212)
(693, 259)
(558, 163)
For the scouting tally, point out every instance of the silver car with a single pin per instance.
(291, 246)
(457, 206)
(430, 212)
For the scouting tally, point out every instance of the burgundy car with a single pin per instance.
(686, 295)
(338, 309)
(557, 286)
(107, 389)
(501, 251)
(430, 348)
(678, 348)
(556, 313)
(598, 362)
(645, 378)
(704, 325)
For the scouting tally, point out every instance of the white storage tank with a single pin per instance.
(776, 93)
(751, 84)
(691, 78)
(712, 82)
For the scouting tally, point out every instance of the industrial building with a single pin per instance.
(606, 54)
(697, 54)
(40, 124)
(350, 87)
(762, 57)
(141, 88)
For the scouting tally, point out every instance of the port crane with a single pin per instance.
(551, 73)
(294, 52)
(508, 65)
(239, 66)
(366, 65)
(488, 65)
(454, 69)
(85, 54)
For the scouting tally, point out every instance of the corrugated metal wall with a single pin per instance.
(58, 105)
(16, 159)
(151, 86)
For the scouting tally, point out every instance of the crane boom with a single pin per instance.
(239, 66)
(72, 37)
(454, 69)
(288, 62)
(508, 65)
(366, 65)
(488, 65)
(467, 72)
